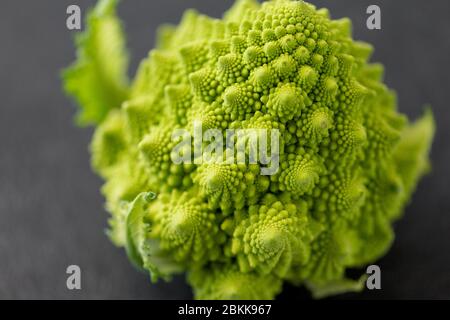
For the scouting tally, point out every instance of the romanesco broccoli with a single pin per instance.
(348, 161)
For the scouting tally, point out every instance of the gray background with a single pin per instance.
(51, 212)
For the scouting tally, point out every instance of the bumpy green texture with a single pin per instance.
(349, 161)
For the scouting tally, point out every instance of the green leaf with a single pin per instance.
(412, 153)
(135, 232)
(338, 286)
(98, 78)
(144, 252)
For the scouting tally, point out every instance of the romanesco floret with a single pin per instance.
(348, 161)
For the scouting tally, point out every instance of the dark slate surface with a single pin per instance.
(51, 212)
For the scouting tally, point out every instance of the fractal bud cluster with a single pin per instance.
(348, 161)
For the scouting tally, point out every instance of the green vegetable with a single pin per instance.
(348, 161)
